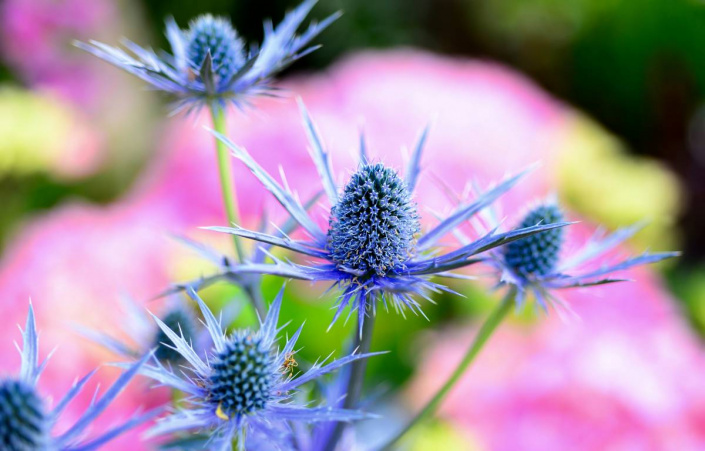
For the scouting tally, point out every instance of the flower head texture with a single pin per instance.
(244, 389)
(209, 65)
(535, 264)
(374, 248)
(26, 421)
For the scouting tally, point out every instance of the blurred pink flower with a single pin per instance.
(627, 376)
(36, 36)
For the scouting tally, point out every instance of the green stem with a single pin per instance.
(485, 332)
(363, 341)
(227, 184)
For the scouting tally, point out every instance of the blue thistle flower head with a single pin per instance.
(23, 421)
(374, 227)
(243, 375)
(244, 387)
(537, 254)
(209, 65)
(26, 421)
(536, 265)
(374, 249)
(215, 37)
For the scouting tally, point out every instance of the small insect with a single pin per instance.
(289, 363)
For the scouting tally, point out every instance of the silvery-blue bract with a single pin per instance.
(209, 64)
(374, 248)
(244, 388)
(26, 419)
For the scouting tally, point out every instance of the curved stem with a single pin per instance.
(485, 332)
(363, 341)
(227, 184)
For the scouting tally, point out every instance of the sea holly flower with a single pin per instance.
(26, 421)
(209, 64)
(244, 388)
(374, 248)
(536, 265)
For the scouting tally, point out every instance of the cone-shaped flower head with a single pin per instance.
(215, 37)
(374, 249)
(374, 227)
(244, 388)
(537, 254)
(209, 65)
(536, 264)
(26, 419)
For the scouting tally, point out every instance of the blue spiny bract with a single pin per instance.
(373, 228)
(177, 320)
(243, 376)
(23, 422)
(25, 425)
(537, 254)
(215, 35)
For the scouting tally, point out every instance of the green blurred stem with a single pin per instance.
(227, 184)
(483, 335)
(363, 341)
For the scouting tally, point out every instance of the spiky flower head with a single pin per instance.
(373, 249)
(538, 265)
(23, 421)
(215, 37)
(26, 421)
(244, 388)
(374, 226)
(244, 373)
(537, 254)
(209, 65)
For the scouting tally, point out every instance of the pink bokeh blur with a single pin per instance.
(486, 121)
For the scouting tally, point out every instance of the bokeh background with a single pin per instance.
(608, 94)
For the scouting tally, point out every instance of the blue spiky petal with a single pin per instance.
(178, 320)
(215, 35)
(537, 254)
(23, 422)
(373, 229)
(243, 375)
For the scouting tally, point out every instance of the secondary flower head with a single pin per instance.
(209, 65)
(145, 336)
(26, 421)
(374, 248)
(535, 264)
(243, 390)
(538, 254)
